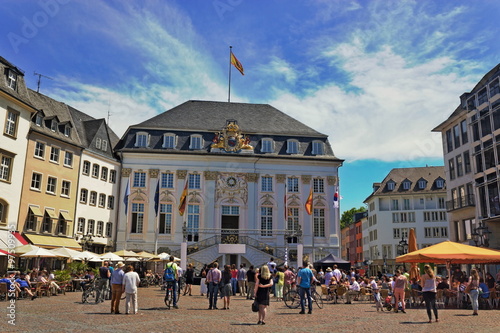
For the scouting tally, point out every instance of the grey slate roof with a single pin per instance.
(21, 92)
(212, 116)
(398, 175)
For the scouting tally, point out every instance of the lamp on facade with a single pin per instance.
(402, 246)
(480, 235)
(87, 241)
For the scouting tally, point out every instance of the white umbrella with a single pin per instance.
(164, 256)
(25, 248)
(131, 259)
(111, 257)
(67, 253)
(89, 256)
(39, 253)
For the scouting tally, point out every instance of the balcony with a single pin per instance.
(467, 201)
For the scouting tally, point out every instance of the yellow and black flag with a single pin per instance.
(237, 64)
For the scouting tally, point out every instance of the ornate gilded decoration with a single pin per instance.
(252, 177)
(267, 200)
(181, 174)
(126, 172)
(280, 178)
(331, 180)
(231, 186)
(230, 139)
(153, 173)
(210, 175)
(306, 179)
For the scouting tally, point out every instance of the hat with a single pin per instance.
(328, 269)
(120, 264)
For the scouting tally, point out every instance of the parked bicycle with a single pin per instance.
(292, 299)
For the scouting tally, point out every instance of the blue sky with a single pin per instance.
(376, 76)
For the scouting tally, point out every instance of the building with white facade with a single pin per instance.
(238, 164)
(471, 147)
(406, 198)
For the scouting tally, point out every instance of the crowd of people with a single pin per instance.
(20, 284)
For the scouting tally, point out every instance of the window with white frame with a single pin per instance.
(165, 219)
(292, 218)
(109, 229)
(53, 125)
(93, 198)
(4, 207)
(90, 227)
(230, 210)
(395, 204)
(102, 199)
(196, 142)
(36, 181)
(67, 131)
(51, 185)
(319, 222)
(81, 225)
(292, 147)
(47, 221)
(319, 185)
(267, 146)
(84, 195)
(98, 143)
(266, 221)
(11, 123)
(137, 218)
(65, 188)
(441, 203)
(318, 148)
(406, 204)
(422, 184)
(141, 139)
(396, 233)
(5, 166)
(12, 80)
(111, 202)
(86, 168)
(139, 179)
(100, 228)
(112, 176)
(39, 120)
(391, 185)
(95, 170)
(267, 184)
(104, 146)
(292, 185)
(31, 220)
(167, 180)
(54, 154)
(61, 226)
(395, 218)
(169, 141)
(440, 183)
(193, 222)
(406, 185)
(40, 150)
(68, 159)
(194, 181)
(104, 173)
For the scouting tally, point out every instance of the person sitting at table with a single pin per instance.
(443, 284)
(415, 285)
(9, 281)
(42, 277)
(87, 278)
(24, 285)
(485, 290)
(354, 289)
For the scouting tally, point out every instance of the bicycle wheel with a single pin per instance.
(92, 296)
(317, 299)
(168, 298)
(84, 296)
(292, 299)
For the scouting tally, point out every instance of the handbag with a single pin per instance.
(255, 306)
(468, 288)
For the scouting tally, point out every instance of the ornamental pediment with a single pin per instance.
(231, 139)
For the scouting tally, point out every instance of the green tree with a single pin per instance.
(347, 217)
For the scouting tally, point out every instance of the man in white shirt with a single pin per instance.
(131, 281)
(353, 290)
(337, 272)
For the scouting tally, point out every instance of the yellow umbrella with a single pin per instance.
(126, 253)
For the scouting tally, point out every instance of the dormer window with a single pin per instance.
(422, 184)
(391, 185)
(196, 142)
(104, 145)
(267, 146)
(317, 148)
(141, 140)
(12, 80)
(292, 147)
(53, 125)
(406, 185)
(440, 183)
(39, 120)
(169, 141)
(98, 143)
(67, 131)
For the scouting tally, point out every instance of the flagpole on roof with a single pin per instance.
(229, 92)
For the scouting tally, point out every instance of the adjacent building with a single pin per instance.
(471, 148)
(216, 174)
(406, 198)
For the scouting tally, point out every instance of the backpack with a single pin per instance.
(169, 274)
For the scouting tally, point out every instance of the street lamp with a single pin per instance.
(480, 235)
(87, 241)
(402, 246)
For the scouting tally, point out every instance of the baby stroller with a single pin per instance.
(388, 303)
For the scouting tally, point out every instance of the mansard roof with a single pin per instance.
(211, 116)
(398, 175)
(20, 92)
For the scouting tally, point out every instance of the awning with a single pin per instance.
(6, 238)
(51, 213)
(50, 242)
(66, 216)
(36, 211)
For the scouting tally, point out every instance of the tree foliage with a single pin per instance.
(347, 217)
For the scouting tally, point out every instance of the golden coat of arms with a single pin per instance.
(230, 139)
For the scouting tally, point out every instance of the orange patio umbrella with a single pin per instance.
(412, 247)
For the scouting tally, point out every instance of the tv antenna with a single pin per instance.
(40, 78)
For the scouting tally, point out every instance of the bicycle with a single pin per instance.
(89, 293)
(169, 295)
(292, 299)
